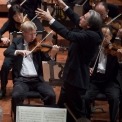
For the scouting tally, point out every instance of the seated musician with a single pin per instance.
(103, 78)
(119, 76)
(27, 67)
(16, 16)
(29, 8)
(90, 4)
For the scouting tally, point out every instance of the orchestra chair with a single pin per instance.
(102, 97)
(82, 119)
(99, 97)
(52, 72)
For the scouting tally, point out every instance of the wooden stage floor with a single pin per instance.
(5, 103)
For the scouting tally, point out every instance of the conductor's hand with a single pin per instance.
(45, 15)
(61, 3)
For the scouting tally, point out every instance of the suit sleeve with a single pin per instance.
(9, 52)
(4, 28)
(81, 37)
(75, 18)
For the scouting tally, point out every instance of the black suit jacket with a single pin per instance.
(111, 69)
(38, 57)
(84, 44)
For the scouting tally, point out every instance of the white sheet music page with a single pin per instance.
(40, 114)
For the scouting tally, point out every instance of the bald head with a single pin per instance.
(102, 9)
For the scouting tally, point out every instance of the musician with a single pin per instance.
(16, 17)
(119, 76)
(90, 4)
(84, 43)
(29, 8)
(103, 78)
(27, 67)
(102, 9)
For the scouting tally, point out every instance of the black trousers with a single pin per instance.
(119, 77)
(72, 96)
(7, 65)
(23, 85)
(112, 92)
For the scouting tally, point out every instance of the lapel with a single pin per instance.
(20, 45)
(35, 60)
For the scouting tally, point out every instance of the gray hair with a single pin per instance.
(28, 26)
(95, 20)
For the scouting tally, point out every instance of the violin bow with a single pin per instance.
(100, 49)
(34, 17)
(22, 3)
(84, 2)
(98, 55)
(114, 18)
(41, 41)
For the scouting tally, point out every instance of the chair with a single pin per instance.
(99, 97)
(33, 95)
(30, 95)
(102, 97)
(52, 72)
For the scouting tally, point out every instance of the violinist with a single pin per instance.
(27, 67)
(103, 79)
(16, 17)
(102, 9)
(90, 4)
(29, 7)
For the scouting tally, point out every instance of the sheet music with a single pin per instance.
(40, 114)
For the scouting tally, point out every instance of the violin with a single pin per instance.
(113, 48)
(45, 46)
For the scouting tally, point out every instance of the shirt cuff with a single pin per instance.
(51, 21)
(15, 53)
(65, 8)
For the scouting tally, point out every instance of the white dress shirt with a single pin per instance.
(28, 68)
(102, 62)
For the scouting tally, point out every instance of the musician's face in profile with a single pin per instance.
(18, 17)
(84, 21)
(29, 35)
(102, 11)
